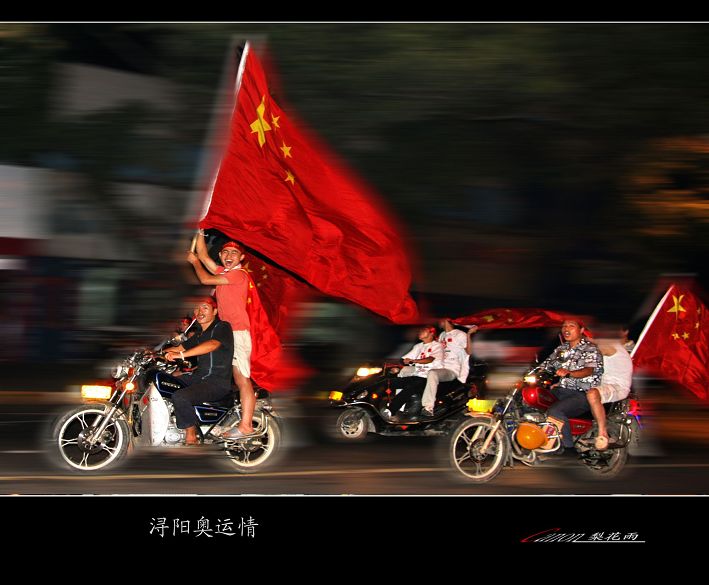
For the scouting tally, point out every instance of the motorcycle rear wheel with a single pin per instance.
(608, 464)
(466, 456)
(71, 451)
(251, 455)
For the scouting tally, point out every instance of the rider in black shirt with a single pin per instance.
(214, 348)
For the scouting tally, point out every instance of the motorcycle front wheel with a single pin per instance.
(352, 425)
(255, 452)
(466, 454)
(72, 448)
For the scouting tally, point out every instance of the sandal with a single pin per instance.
(235, 433)
(601, 443)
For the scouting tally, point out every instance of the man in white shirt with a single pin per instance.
(615, 384)
(423, 357)
(455, 364)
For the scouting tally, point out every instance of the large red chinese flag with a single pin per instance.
(279, 192)
(675, 341)
(512, 319)
(270, 293)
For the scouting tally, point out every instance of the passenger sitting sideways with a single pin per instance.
(423, 357)
(615, 384)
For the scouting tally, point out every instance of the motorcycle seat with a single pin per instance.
(261, 392)
(234, 397)
(225, 402)
(445, 388)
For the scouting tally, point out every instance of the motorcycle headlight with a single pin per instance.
(96, 392)
(530, 379)
(364, 372)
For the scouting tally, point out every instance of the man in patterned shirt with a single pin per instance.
(579, 365)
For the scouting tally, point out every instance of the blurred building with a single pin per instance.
(81, 264)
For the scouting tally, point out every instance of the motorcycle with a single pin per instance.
(516, 428)
(370, 391)
(135, 410)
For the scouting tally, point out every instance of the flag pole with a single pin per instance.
(216, 136)
(650, 321)
(239, 76)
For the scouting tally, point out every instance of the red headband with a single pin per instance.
(208, 300)
(230, 244)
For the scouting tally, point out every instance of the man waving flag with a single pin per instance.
(306, 218)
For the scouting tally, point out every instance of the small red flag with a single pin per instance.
(282, 194)
(675, 341)
(513, 319)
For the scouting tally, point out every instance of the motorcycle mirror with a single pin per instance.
(161, 346)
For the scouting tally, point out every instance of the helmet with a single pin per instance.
(530, 436)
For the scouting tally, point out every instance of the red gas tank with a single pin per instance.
(538, 397)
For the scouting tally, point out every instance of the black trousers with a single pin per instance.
(410, 385)
(204, 390)
(571, 403)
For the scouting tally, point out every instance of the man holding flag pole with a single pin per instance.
(232, 286)
(295, 217)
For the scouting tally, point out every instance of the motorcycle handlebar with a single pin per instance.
(159, 357)
(182, 364)
(172, 341)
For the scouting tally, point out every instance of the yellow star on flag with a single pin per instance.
(685, 335)
(677, 308)
(675, 336)
(290, 177)
(274, 121)
(286, 151)
(259, 125)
